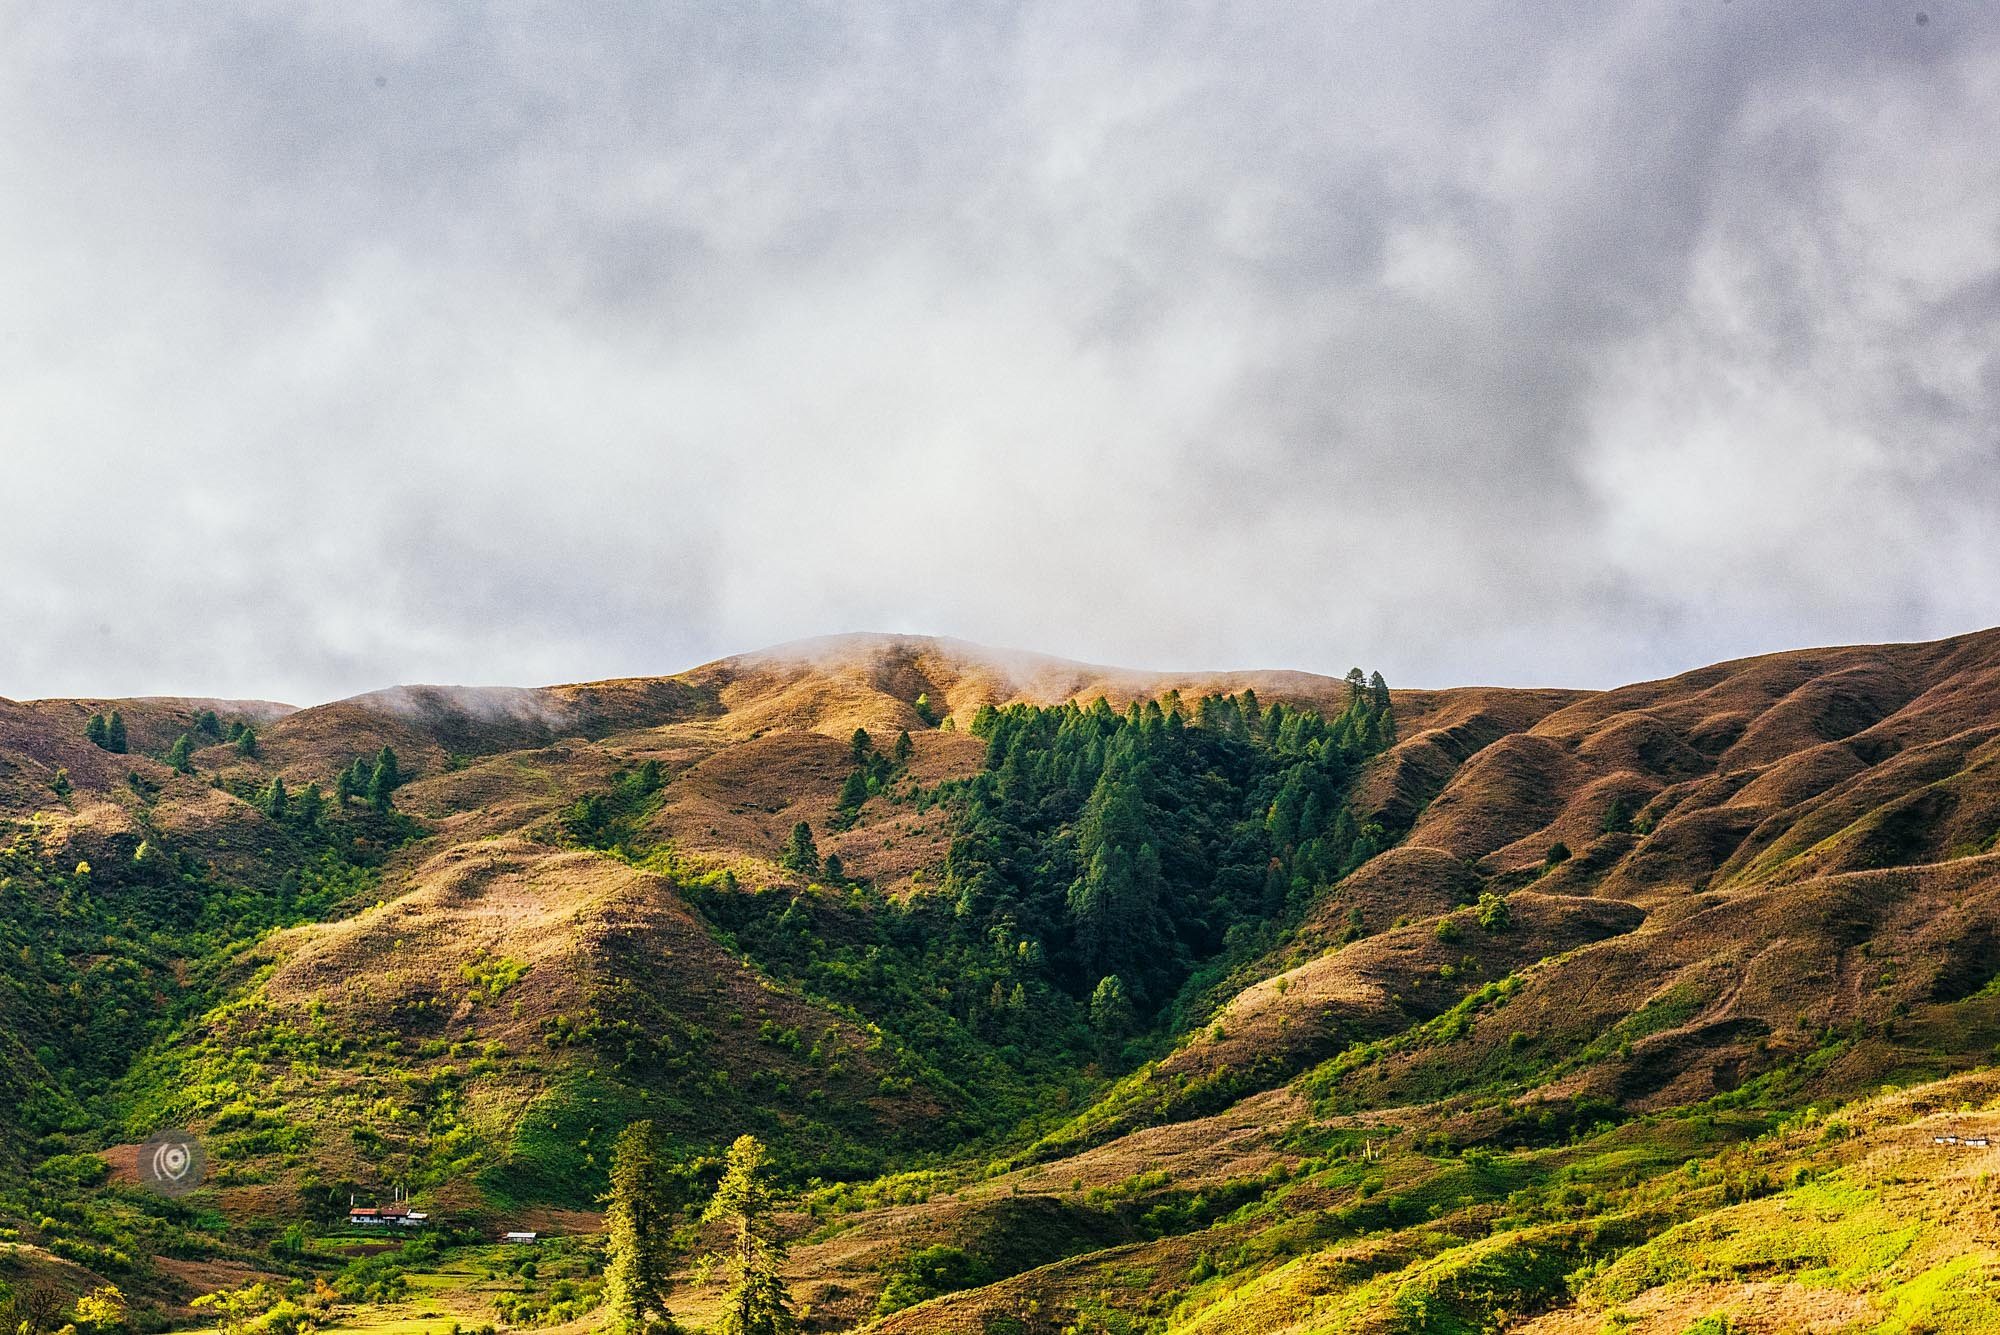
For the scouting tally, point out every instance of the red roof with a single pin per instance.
(367, 1210)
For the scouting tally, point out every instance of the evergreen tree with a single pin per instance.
(853, 793)
(757, 1302)
(859, 745)
(60, 784)
(93, 731)
(801, 854)
(1378, 693)
(207, 723)
(835, 872)
(114, 733)
(306, 810)
(638, 1232)
(276, 800)
(903, 747)
(348, 785)
(1618, 816)
(382, 783)
(180, 756)
(1110, 1008)
(924, 709)
(355, 778)
(1117, 905)
(246, 741)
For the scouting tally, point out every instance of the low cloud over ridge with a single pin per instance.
(1557, 343)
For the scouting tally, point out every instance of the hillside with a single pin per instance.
(1436, 1010)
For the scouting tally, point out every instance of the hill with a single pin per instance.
(1433, 1010)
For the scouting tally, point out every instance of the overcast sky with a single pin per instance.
(355, 343)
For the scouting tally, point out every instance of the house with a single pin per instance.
(397, 1214)
(520, 1237)
(1977, 1142)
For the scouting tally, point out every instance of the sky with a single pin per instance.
(355, 343)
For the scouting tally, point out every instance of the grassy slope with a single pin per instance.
(1799, 911)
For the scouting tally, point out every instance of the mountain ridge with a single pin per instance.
(1714, 899)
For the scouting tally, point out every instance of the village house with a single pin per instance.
(396, 1214)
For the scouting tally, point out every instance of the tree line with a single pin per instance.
(1130, 846)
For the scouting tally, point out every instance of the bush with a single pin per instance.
(928, 1273)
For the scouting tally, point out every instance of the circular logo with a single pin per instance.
(171, 1162)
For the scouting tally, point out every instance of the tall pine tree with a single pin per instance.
(757, 1302)
(801, 854)
(638, 1234)
(382, 783)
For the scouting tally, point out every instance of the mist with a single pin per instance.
(348, 345)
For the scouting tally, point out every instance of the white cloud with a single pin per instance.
(344, 344)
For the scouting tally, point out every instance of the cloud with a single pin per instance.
(346, 345)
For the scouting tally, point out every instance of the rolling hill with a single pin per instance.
(1437, 1010)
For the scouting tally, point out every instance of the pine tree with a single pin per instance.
(93, 731)
(206, 722)
(60, 784)
(835, 872)
(903, 747)
(1116, 906)
(382, 783)
(638, 1228)
(1110, 1009)
(1618, 816)
(1378, 692)
(348, 785)
(801, 854)
(246, 741)
(306, 810)
(114, 733)
(853, 793)
(757, 1302)
(180, 756)
(276, 800)
(859, 745)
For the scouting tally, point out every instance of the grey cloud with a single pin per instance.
(1574, 343)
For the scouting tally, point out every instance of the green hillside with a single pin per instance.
(1063, 997)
